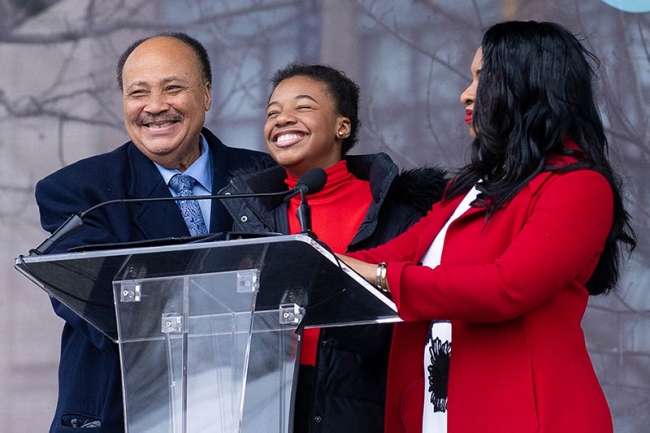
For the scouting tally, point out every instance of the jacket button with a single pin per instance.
(317, 418)
(243, 219)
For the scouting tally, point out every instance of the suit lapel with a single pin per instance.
(155, 219)
(222, 164)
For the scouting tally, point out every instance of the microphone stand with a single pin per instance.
(76, 221)
(310, 182)
(304, 215)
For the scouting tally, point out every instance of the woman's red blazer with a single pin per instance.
(514, 290)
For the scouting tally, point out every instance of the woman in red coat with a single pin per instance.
(502, 268)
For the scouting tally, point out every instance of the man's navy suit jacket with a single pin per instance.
(89, 371)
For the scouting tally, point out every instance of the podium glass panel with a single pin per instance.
(197, 357)
(207, 331)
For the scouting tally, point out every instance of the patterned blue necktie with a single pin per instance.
(182, 184)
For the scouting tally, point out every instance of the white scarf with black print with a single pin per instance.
(437, 351)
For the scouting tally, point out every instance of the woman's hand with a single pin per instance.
(367, 270)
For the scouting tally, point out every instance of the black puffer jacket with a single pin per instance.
(351, 364)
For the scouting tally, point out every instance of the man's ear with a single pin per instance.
(207, 94)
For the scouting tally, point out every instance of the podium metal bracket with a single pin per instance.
(130, 291)
(248, 281)
(171, 323)
(291, 314)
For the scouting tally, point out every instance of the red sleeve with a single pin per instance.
(402, 248)
(559, 242)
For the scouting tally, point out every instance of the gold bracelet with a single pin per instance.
(381, 283)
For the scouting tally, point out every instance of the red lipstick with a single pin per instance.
(468, 116)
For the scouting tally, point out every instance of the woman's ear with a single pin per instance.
(343, 128)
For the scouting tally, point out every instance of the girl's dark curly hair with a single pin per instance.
(342, 89)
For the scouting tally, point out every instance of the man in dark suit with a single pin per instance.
(166, 90)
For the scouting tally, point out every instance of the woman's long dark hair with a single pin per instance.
(536, 88)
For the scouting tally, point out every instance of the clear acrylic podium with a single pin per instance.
(207, 332)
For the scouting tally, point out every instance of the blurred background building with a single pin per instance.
(59, 102)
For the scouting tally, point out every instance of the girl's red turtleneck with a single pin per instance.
(337, 211)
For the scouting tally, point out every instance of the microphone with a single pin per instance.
(312, 181)
(309, 183)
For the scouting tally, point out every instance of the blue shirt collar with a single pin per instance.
(200, 169)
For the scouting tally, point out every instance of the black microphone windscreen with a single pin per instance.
(312, 181)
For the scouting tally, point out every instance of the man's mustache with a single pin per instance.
(163, 118)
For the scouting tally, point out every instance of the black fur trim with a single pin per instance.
(420, 187)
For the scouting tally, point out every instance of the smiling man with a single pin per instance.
(165, 100)
(166, 84)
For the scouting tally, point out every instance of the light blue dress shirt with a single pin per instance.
(201, 170)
